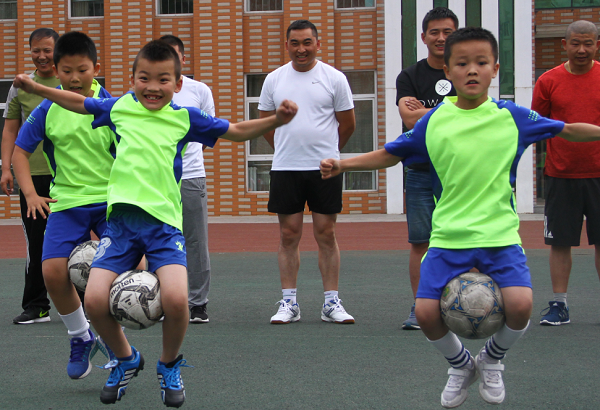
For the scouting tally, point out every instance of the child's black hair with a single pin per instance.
(469, 34)
(75, 43)
(301, 25)
(157, 51)
(439, 13)
(41, 33)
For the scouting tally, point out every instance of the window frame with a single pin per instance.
(247, 10)
(17, 16)
(159, 14)
(373, 7)
(269, 157)
(70, 11)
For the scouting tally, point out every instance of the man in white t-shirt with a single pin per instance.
(324, 123)
(193, 194)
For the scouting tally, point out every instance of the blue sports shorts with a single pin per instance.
(505, 264)
(419, 205)
(67, 229)
(132, 233)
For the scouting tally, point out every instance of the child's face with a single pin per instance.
(76, 73)
(471, 69)
(154, 83)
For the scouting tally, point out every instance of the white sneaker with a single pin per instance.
(286, 313)
(455, 393)
(491, 386)
(333, 311)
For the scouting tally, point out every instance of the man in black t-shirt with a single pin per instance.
(419, 88)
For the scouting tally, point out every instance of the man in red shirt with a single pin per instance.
(570, 93)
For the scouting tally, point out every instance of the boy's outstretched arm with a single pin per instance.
(580, 132)
(247, 130)
(66, 99)
(35, 203)
(372, 160)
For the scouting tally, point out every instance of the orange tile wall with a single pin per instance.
(222, 44)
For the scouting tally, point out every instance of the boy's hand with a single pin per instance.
(38, 204)
(24, 82)
(286, 111)
(330, 168)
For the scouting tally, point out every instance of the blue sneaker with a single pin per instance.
(411, 323)
(106, 351)
(171, 385)
(556, 314)
(81, 353)
(120, 375)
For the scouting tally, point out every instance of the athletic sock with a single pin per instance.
(560, 297)
(289, 294)
(498, 344)
(330, 295)
(453, 350)
(76, 323)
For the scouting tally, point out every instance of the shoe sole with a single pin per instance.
(198, 320)
(548, 323)
(408, 326)
(282, 322)
(342, 322)
(32, 321)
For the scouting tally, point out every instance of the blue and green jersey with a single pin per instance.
(474, 156)
(79, 157)
(150, 146)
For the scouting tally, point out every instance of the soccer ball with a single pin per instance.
(80, 262)
(472, 306)
(134, 299)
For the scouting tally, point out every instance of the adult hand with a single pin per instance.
(6, 183)
(413, 104)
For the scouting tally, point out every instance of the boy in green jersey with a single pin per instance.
(474, 144)
(80, 159)
(144, 202)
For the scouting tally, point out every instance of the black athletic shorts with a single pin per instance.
(567, 201)
(291, 190)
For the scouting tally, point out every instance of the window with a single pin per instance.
(264, 5)
(260, 154)
(175, 7)
(562, 4)
(87, 8)
(8, 10)
(353, 4)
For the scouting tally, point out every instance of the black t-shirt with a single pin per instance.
(426, 84)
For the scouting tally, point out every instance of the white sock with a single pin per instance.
(289, 294)
(560, 297)
(330, 295)
(503, 340)
(453, 350)
(77, 324)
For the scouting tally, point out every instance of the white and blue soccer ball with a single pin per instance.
(80, 263)
(134, 299)
(472, 306)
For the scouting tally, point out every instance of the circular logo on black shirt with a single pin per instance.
(443, 87)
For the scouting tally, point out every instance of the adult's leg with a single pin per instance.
(560, 267)
(195, 230)
(329, 252)
(417, 251)
(288, 256)
(34, 292)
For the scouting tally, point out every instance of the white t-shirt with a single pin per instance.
(194, 94)
(313, 133)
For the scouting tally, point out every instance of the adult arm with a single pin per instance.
(35, 203)
(411, 110)
(372, 160)
(269, 136)
(66, 99)
(346, 126)
(9, 136)
(247, 130)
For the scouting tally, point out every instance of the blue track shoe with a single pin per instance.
(411, 323)
(556, 314)
(171, 385)
(82, 352)
(120, 375)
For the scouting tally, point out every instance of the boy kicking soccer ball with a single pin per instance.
(80, 160)
(474, 144)
(144, 203)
